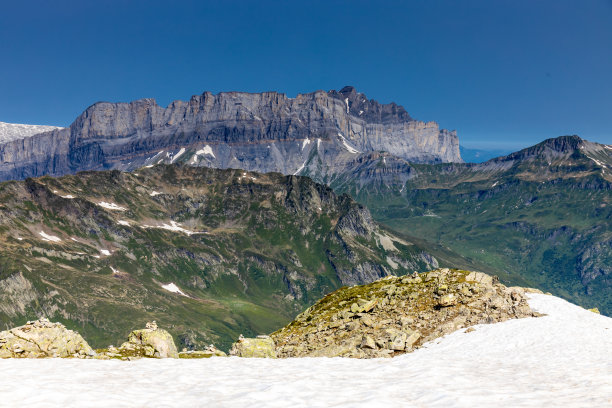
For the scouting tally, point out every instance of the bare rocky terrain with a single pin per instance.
(395, 315)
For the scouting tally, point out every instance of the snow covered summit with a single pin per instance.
(15, 131)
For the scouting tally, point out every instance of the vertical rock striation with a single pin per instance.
(319, 134)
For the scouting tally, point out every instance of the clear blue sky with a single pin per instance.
(507, 73)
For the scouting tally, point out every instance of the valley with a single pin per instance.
(541, 216)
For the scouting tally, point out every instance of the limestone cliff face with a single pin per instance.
(319, 133)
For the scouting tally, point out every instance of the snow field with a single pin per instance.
(560, 360)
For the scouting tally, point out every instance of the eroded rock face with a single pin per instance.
(259, 347)
(318, 133)
(395, 315)
(41, 338)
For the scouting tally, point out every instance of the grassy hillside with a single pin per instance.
(540, 217)
(246, 251)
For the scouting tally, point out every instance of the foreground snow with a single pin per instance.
(561, 360)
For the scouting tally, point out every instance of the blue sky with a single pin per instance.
(502, 73)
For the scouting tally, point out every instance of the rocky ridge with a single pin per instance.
(395, 315)
(386, 318)
(42, 338)
(317, 133)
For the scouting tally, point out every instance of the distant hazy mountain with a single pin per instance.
(317, 133)
(470, 155)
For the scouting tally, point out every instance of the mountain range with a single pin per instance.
(157, 232)
(321, 132)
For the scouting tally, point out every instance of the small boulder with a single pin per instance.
(398, 342)
(367, 321)
(368, 306)
(150, 342)
(259, 347)
(413, 337)
(450, 299)
(208, 352)
(368, 342)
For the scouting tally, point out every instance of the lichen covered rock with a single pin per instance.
(42, 338)
(259, 347)
(395, 315)
(210, 351)
(151, 342)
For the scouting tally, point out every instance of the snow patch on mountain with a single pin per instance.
(47, 237)
(205, 150)
(348, 147)
(171, 287)
(111, 206)
(173, 226)
(177, 155)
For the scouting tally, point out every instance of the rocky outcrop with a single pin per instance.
(395, 315)
(259, 347)
(319, 134)
(150, 342)
(208, 352)
(41, 338)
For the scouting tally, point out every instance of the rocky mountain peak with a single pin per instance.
(565, 151)
(549, 149)
(562, 144)
(359, 105)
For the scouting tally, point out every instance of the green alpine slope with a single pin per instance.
(540, 217)
(209, 254)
